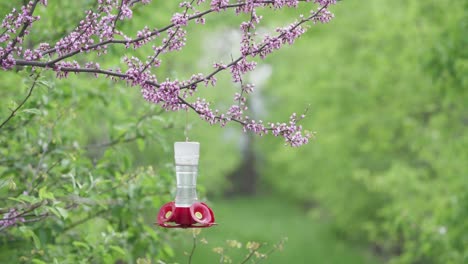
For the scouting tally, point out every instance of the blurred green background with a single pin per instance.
(384, 181)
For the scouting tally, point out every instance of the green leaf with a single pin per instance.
(141, 144)
(36, 240)
(168, 250)
(38, 261)
(33, 111)
(44, 194)
(44, 83)
(118, 250)
(11, 184)
(54, 211)
(23, 199)
(63, 212)
(16, 199)
(81, 244)
(12, 105)
(143, 261)
(30, 233)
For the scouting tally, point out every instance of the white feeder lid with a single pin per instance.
(186, 153)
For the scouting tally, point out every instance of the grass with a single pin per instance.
(268, 220)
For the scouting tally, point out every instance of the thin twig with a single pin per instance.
(167, 43)
(120, 138)
(13, 113)
(193, 248)
(36, 183)
(83, 220)
(118, 16)
(113, 142)
(254, 52)
(250, 255)
(272, 250)
(25, 212)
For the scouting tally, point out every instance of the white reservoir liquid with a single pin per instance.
(186, 193)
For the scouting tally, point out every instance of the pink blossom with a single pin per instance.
(240, 68)
(216, 5)
(323, 16)
(325, 2)
(179, 19)
(11, 218)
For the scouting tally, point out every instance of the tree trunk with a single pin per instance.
(244, 179)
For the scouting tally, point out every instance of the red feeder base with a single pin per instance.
(198, 215)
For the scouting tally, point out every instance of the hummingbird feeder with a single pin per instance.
(186, 211)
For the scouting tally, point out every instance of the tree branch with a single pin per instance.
(252, 53)
(171, 97)
(118, 15)
(152, 34)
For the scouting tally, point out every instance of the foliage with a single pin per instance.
(389, 106)
(78, 195)
(75, 180)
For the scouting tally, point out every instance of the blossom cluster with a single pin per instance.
(100, 28)
(16, 26)
(11, 218)
(325, 2)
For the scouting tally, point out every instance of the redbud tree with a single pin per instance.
(99, 29)
(68, 200)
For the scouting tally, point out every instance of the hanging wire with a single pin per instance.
(186, 129)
